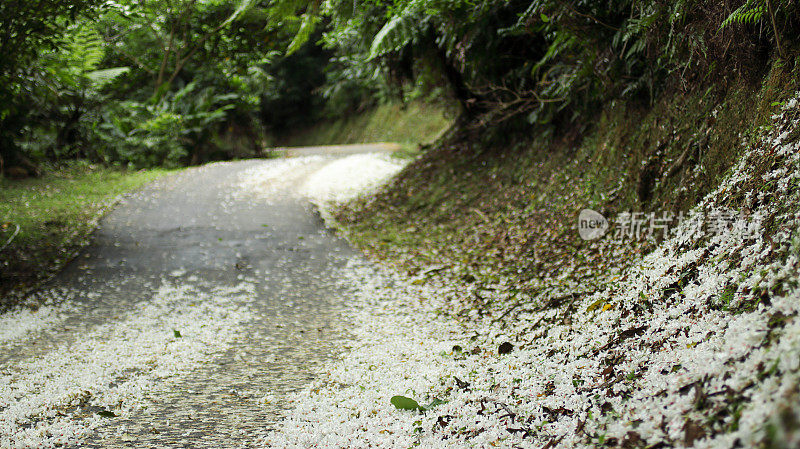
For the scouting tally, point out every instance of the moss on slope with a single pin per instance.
(512, 211)
(413, 123)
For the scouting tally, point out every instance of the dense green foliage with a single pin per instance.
(138, 83)
(160, 82)
(555, 62)
(27, 29)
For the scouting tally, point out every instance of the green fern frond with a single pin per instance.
(105, 76)
(85, 48)
(243, 7)
(307, 27)
(749, 13)
(563, 43)
(396, 34)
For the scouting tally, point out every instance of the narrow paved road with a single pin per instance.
(204, 299)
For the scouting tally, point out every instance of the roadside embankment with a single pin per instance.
(676, 328)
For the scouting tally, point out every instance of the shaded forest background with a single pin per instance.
(179, 82)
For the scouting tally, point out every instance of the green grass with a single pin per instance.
(411, 124)
(55, 215)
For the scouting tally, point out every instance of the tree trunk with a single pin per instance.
(466, 98)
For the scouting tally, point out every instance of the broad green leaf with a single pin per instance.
(404, 403)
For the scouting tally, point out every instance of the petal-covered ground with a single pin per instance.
(201, 296)
(62, 394)
(696, 345)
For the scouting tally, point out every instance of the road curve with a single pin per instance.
(204, 299)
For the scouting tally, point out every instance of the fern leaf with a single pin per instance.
(304, 34)
(105, 76)
(244, 6)
(750, 12)
(85, 48)
(397, 33)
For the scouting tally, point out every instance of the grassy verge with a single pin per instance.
(51, 217)
(413, 124)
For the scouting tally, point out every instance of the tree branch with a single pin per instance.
(135, 60)
(775, 28)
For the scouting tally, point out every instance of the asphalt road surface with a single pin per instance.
(199, 305)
